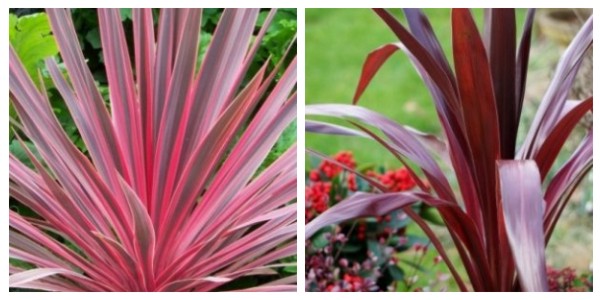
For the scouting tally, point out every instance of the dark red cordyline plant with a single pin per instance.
(501, 218)
(170, 199)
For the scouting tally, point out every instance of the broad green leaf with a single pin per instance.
(12, 24)
(32, 39)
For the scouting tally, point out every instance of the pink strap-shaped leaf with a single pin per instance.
(25, 277)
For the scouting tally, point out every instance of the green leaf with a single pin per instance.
(397, 220)
(12, 24)
(375, 248)
(93, 37)
(396, 272)
(22, 209)
(319, 241)
(432, 215)
(279, 35)
(20, 264)
(261, 18)
(210, 16)
(287, 139)
(126, 14)
(17, 150)
(32, 40)
(292, 12)
(351, 248)
(203, 43)
(291, 269)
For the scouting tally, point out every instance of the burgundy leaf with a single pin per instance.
(478, 102)
(502, 55)
(372, 64)
(422, 31)
(523, 62)
(546, 156)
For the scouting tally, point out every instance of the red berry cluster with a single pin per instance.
(317, 192)
(325, 270)
(355, 283)
(331, 170)
(398, 180)
(317, 199)
(319, 186)
(328, 170)
(566, 280)
(352, 186)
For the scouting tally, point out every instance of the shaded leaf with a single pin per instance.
(396, 272)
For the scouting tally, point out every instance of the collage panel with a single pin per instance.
(448, 150)
(153, 150)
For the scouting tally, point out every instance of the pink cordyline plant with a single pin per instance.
(170, 199)
(506, 206)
